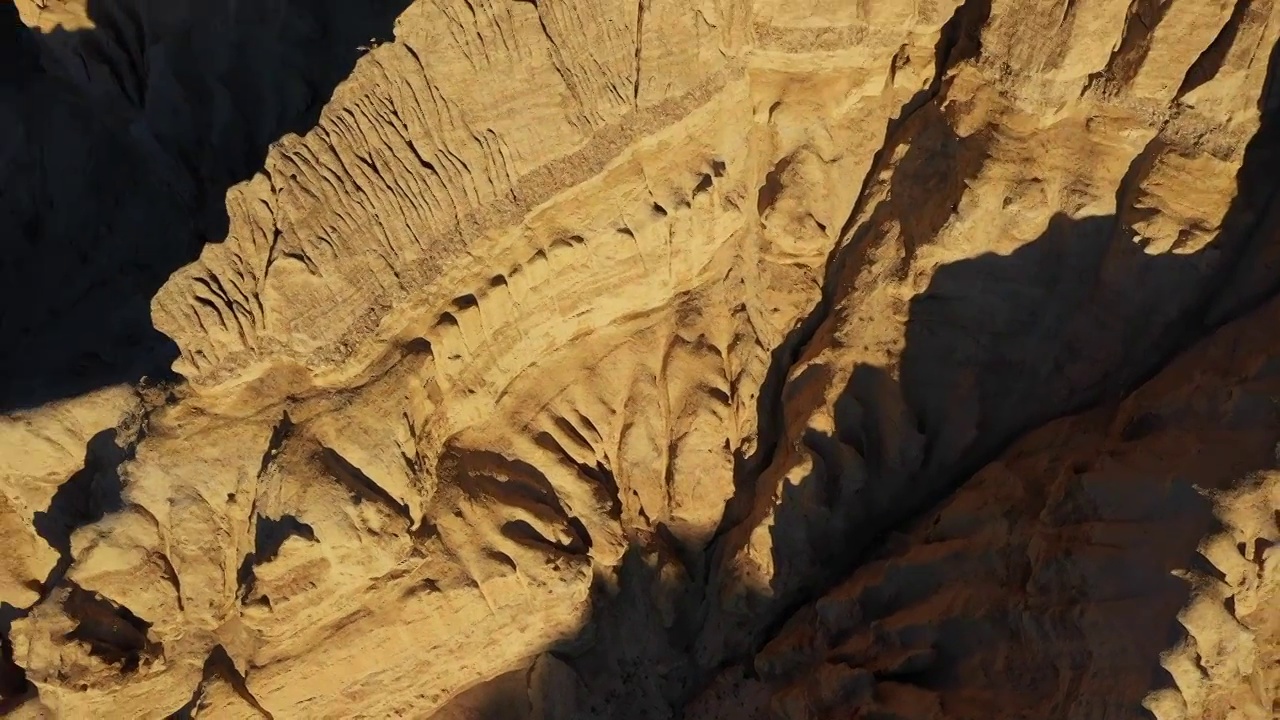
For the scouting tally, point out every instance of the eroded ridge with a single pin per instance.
(577, 345)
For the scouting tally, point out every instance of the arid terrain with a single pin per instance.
(640, 359)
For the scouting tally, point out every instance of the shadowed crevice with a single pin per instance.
(111, 631)
(269, 536)
(219, 667)
(14, 687)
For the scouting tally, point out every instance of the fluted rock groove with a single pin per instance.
(528, 360)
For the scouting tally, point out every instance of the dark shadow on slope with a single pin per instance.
(503, 698)
(1067, 329)
(992, 353)
(269, 536)
(999, 345)
(631, 660)
(985, 332)
(117, 147)
(86, 497)
(14, 688)
(109, 631)
(959, 41)
(996, 346)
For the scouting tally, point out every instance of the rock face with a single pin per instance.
(726, 359)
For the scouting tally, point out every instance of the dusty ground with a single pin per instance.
(587, 359)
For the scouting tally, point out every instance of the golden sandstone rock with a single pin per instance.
(547, 359)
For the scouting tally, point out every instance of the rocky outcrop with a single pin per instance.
(550, 359)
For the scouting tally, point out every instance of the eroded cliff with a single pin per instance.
(735, 359)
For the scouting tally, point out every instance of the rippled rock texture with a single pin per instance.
(558, 359)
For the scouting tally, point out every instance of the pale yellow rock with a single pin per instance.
(44, 449)
(540, 359)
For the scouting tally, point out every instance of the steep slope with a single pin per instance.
(1054, 582)
(644, 360)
